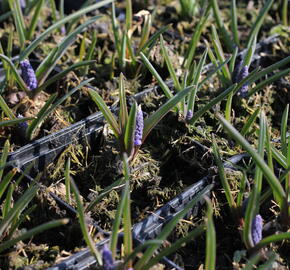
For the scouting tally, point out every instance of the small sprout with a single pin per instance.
(257, 228)
(139, 127)
(189, 115)
(28, 74)
(108, 261)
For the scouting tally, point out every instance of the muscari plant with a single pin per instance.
(131, 129)
(247, 209)
(235, 78)
(128, 44)
(192, 71)
(53, 57)
(28, 126)
(31, 81)
(232, 44)
(150, 250)
(13, 213)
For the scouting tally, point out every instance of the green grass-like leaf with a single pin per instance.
(15, 73)
(118, 219)
(18, 20)
(169, 65)
(156, 117)
(33, 232)
(61, 74)
(272, 239)
(128, 244)
(214, 101)
(53, 57)
(284, 127)
(130, 129)
(67, 181)
(123, 112)
(222, 176)
(6, 109)
(210, 259)
(15, 121)
(234, 22)
(35, 18)
(3, 158)
(118, 184)
(269, 80)
(66, 19)
(83, 224)
(190, 53)
(173, 247)
(221, 27)
(249, 123)
(259, 21)
(106, 112)
(19, 206)
(5, 182)
(40, 117)
(192, 95)
(167, 230)
(268, 173)
(153, 71)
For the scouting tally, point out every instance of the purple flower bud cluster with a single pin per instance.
(28, 75)
(23, 125)
(257, 228)
(243, 92)
(139, 127)
(236, 72)
(189, 115)
(108, 261)
(22, 4)
(240, 72)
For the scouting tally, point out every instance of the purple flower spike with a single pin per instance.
(23, 125)
(257, 227)
(243, 92)
(28, 75)
(139, 127)
(108, 261)
(189, 115)
(22, 4)
(237, 70)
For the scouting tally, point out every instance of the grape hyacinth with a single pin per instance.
(139, 127)
(22, 126)
(242, 75)
(28, 75)
(257, 227)
(22, 4)
(108, 261)
(237, 70)
(189, 115)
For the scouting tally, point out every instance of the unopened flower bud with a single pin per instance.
(237, 70)
(22, 4)
(108, 261)
(28, 75)
(243, 92)
(189, 115)
(139, 128)
(23, 125)
(257, 228)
